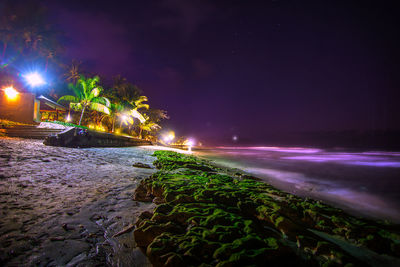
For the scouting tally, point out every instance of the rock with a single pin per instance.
(141, 193)
(125, 230)
(66, 227)
(57, 238)
(158, 200)
(146, 233)
(142, 165)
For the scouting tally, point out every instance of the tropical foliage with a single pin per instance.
(28, 38)
(87, 93)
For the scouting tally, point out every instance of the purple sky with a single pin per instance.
(224, 68)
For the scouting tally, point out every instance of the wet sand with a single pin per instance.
(69, 207)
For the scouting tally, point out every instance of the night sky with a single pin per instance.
(246, 68)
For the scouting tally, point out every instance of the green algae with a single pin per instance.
(210, 218)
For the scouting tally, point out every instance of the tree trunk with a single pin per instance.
(140, 132)
(83, 111)
(113, 123)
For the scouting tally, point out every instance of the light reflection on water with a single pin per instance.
(361, 182)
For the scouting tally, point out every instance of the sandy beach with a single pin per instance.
(69, 207)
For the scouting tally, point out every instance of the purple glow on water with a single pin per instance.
(361, 159)
(277, 149)
(361, 182)
(377, 164)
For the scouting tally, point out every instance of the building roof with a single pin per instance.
(51, 103)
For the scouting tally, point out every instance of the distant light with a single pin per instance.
(68, 119)
(190, 143)
(124, 119)
(34, 79)
(169, 137)
(235, 138)
(11, 93)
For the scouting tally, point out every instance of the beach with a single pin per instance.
(64, 206)
(93, 206)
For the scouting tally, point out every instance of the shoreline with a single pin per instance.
(200, 199)
(353, 188)
(103, 212)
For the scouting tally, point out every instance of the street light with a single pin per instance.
(11, 93)
(34, 79)
(190, 143)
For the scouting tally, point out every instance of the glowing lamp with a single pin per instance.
(34, 79)
(190, 143)
(171, 135)
(68, 119)
(11, 93)
(124, 119)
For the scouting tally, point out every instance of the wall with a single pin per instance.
(20, 109)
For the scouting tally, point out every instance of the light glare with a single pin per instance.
(11, 93)
(34, 79)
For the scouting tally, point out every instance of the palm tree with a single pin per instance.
(6, 36)
(72, 73)
(87, 94)
(124, 90)
(116, 110)
(138, 104)
(151, 124)
(24, 27)
(147, 126)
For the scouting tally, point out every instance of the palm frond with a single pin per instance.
(146, 106)
(83, 83)
(141, 99)
(106, 101)
(137, 115)
(69, 98)
(94, 93)
(101, 100)
(99, 107)
(75, 89)
(150, 126)
(75, 106)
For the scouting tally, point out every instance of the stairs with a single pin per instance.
(30, 132)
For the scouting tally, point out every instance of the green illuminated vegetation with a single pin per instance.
(87, 96)
(206, 216)
(28, 37)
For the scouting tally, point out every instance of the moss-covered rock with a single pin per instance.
(206, 217)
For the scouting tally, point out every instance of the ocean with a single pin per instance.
(365, 183)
